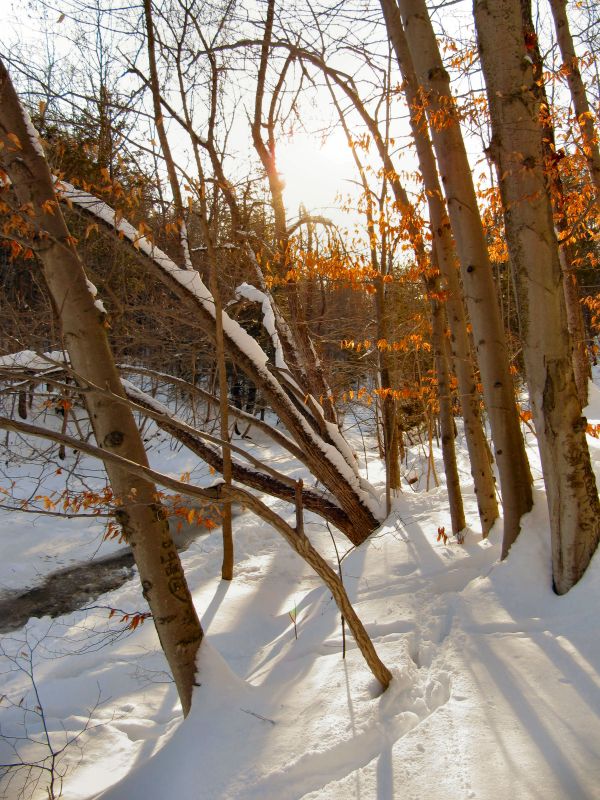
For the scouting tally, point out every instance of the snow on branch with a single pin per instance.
(157, 410)
(253, 294)
(34, 136)
(192, 283)
(188, 278)
(35, 362)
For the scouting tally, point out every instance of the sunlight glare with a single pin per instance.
(313, 173)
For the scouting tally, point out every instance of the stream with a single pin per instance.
(68, 589)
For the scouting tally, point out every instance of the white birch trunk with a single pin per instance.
(476, 270)
(141, 516)
(517, 144)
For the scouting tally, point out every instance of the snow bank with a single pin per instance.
(30, 360)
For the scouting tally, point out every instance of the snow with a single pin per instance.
(372, 500)
(34, 136)
(342, 445)
(496, 688)
(188, 278)
(592, 410)
(94, 292)
(256, 296)
(29, 359)
(185, 244)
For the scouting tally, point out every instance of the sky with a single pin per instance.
(316, 171)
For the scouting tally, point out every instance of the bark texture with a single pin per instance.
(479, 454)
(585, 117)
(476, 270)
(517, 142)
(581, 365)
(141, 517)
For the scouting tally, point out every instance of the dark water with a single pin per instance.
(65, 590)
(74, 587)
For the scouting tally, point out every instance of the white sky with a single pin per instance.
(315, 172)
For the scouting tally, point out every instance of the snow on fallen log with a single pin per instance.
(338, 460)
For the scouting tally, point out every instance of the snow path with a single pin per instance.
(486, 692)
(496, 689)
(339, 733)
(522, 718)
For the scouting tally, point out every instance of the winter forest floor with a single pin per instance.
(496, 689)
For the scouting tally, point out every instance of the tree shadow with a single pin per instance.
(529, 698)
(218, 597)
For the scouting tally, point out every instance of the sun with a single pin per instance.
(313, 172)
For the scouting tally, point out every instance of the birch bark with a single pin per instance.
(479, 454)
(517, 143)
(478, 283)
(579, 356)
(140, 515)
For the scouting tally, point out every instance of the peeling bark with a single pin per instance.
(143, 521)
(476, 270)
(514, 107)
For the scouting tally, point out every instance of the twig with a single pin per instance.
(258, 716)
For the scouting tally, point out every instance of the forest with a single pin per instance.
(299, 399)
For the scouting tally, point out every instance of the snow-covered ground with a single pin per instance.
(496, 689)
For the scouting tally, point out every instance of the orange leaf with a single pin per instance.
(15, 140)
(49, 207)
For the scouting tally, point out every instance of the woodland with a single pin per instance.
(201, 323)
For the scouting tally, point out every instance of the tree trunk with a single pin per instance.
(227, 564)
(585, 116)
(476, 269)
(184, 250)
(141, 516)
(389, 411)
(392, 435)
(579, 353)
(300, 354)
(579, 356)
(479, 454)
(442, 374)
(517, 143)
(327, 455)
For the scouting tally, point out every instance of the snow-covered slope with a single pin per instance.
(496, 690)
